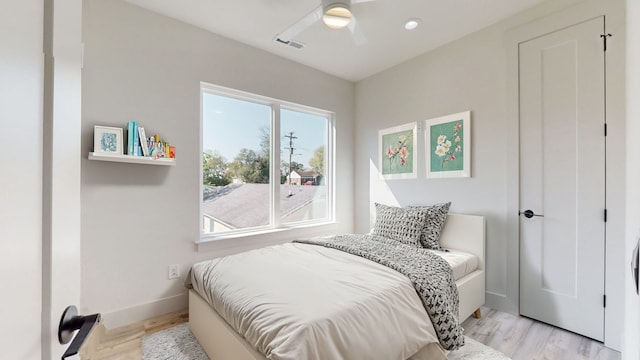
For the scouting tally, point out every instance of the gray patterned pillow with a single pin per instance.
(436, 217)
(401, 224)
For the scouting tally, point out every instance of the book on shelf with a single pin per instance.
(143, 141)
(130, 126)
(133, 142)
(138, 144)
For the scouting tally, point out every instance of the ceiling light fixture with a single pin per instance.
(411, 24)
(337, 15)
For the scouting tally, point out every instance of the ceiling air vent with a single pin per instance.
(292, 43)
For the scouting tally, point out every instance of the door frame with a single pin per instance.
(62, 154)
(550, 290)
(614, 13)
(632, 303)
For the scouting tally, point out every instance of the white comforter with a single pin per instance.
(298, 301)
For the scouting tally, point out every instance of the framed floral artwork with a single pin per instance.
(448, 145)
(397, 155)
(107, 140)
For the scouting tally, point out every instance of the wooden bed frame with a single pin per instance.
(461, 232)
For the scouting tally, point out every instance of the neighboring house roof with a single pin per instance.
(212, 192)
(306, 173)
(247, 205)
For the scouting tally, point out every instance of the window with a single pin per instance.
(265, 163)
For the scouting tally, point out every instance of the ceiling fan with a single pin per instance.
(335, 14)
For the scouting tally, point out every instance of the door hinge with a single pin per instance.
(604, 39)
(605, 129)
(605, 215)
(604, 300)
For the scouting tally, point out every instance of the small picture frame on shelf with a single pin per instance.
(107, 140)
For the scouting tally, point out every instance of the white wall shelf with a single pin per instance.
(132, 159)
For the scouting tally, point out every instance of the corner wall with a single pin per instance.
(138, 219)
(21, 108)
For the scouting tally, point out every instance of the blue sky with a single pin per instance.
(230, 125)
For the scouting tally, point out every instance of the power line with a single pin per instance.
(290, 148)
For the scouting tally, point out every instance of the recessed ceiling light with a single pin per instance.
(411, 24)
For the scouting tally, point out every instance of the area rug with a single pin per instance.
(473, 350)
(177, 343)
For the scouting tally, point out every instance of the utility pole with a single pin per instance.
(290, 148)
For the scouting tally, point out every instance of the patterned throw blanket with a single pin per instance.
(430, 274)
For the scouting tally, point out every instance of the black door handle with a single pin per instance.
(529, 214)
(69, 323)
(634, 264)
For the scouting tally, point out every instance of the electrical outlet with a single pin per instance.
(174, 271)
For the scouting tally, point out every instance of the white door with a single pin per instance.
(562, 178)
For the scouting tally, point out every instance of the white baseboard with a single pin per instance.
(146, 311)
(501, 302)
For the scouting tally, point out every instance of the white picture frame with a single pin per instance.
(397, 152)
(107, 140)
(448, 146)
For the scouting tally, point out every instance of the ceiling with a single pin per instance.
(257, 22)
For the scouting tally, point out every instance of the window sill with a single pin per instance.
(234, 243)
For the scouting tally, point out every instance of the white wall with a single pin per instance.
(474, 74)
(632, 303)
(136, 219)
(21, 71)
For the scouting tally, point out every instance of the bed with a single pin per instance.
(464, 233)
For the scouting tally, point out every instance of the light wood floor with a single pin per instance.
(522, 338)
(125, 343)
(518, 337)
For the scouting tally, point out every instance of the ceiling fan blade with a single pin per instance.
(300, 25)
(361, 1)
(356, 32)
